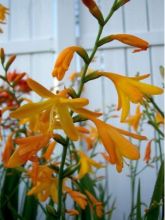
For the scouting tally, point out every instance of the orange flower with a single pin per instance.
(89, 136)
(115, 144)
(64, 59)
(17, 81)
(131, 40)
(27, 149)
(159, 118)
(72, 212)
(3, 12)
(9, 147)
(95, 204)
(94, 10)
(86, 164)
(78, 197)
(45, 184)
(49, 150)
(56, 106)
(134, 120)
(147, 156)
(130, 89)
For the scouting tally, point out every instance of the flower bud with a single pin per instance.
(9, 62)
(2, 55)
(94, 10)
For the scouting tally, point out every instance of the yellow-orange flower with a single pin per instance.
(45, 184)
(78, 197)
(115, 144)
(49, 150)
(97, 205)
(90, 136)
(72, 212)
(3, 12)
(56, 105)
(130, 89)
(159, 118)
(147, 156)
(64, 59)
(135, 119)
(131, 40)
(86, 164)
(27, 149)
(9, 147)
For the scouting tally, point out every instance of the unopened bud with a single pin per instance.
(2, 56)
(9, 62)
(94, 10)
(59, 139)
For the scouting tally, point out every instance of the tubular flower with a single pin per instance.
(72, 212)
(78, 197)
(9, 147)
(86, 164)
(58, 107)
(134, 120)
(27, 149)
(89, 136)
(159, 118)
(130, 89)
(3, 12)
(131, 40)
(64, 59)
(94, 10)
(147, 156)
(45, 184)
(95, 204)
(18, 82)
(115, 144)
(49, 150)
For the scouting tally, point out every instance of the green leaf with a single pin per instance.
(30, 208)
(138, 208)
(154, 209)
(9, 194)
(70, 170)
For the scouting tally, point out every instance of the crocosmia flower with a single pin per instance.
(57, 105)
(64, 59)
(130, 89)
(135, 119)
(116, 145)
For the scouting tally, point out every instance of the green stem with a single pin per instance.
(160, 148)
(94, 49)
(152, 121)
(156, 128)
(90, 59)
(156, 107)
(60, 180)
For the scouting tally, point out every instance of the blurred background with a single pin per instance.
(37, 30)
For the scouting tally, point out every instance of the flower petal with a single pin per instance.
(31, 109)
(147, 89)
(39, 89)
(66, 122)
(125, 106)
